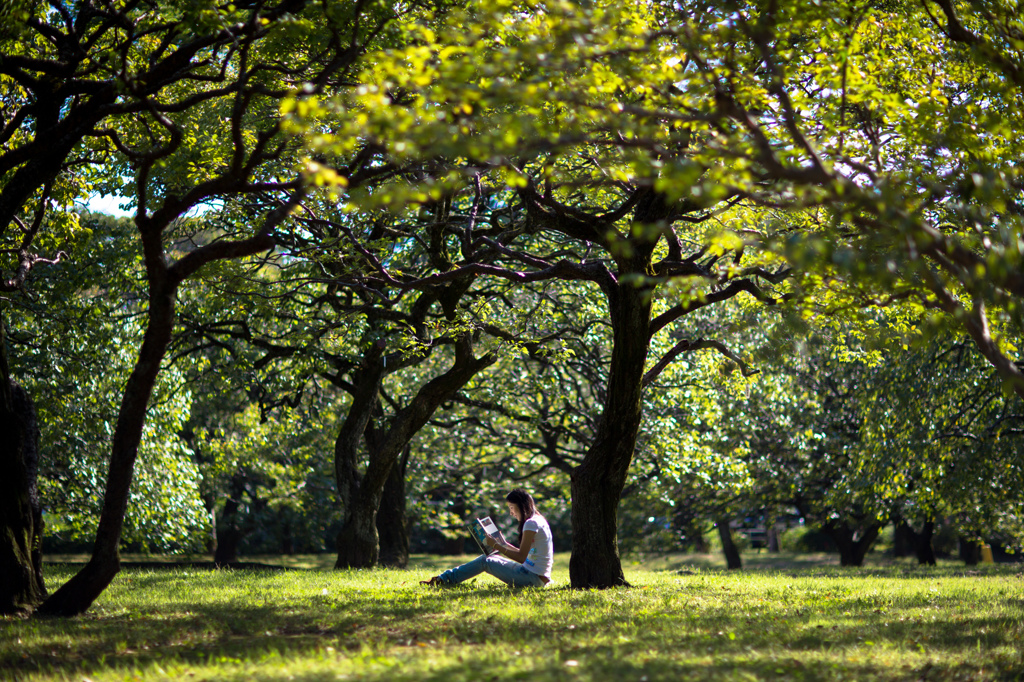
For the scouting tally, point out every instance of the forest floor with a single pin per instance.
(783, 617)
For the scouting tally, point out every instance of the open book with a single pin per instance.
(480, 529)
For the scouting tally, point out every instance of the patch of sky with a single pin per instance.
(109, 204)
(120, 206)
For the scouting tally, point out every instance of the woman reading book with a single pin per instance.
(528, 565)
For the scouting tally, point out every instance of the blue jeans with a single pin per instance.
(505, 570)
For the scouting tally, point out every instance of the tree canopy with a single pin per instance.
(571, 236)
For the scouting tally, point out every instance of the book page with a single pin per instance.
(489, 527)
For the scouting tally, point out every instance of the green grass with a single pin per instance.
(680, 620)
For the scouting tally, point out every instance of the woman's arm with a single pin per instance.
(517, 554)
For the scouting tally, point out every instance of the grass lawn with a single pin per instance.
(684, 618)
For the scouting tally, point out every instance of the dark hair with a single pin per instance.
(527, 507)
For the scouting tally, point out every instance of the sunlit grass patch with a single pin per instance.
(675, 622)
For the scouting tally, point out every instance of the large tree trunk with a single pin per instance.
(902, 539)
(228, 542)
(230, 534)
(358, 542)
(700, 543)
(595, 558)
(729, 548)
(853, 543)
(392, 528)
(906, 540)
(597, 483)
(351, 549)
(78, 594)
(21, 522)
(923, 544)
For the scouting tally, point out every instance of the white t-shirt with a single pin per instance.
(542, 551)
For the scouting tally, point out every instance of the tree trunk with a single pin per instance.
(346, 466)
(392, 528)
(287, 539)
(773, 539)
(21, 521)
(853, 545)
(228, 542)
(229, 535)
(78, 594)
(902, 539)
(595, 558)
(700, 543)
(598, 482)
(732, 553)
(358, 542)
(923, 544)
(906, 540)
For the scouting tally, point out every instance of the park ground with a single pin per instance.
(784, 617)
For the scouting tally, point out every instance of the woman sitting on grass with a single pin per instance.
(528, 565)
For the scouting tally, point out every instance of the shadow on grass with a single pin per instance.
(823, 565)
(693, 629)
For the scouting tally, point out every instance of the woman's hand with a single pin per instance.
(519, 554)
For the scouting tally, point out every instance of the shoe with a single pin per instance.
(433, 582)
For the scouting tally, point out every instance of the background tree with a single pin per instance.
(853, 430)
(71, 336)
(506, 91)
(399, 354)
(77, 360)
(241, 70)
(20, 512)
(898, 119)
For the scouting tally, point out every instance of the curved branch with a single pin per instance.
(735, 287)
(688, 346)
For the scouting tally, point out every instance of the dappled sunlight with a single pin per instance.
(381, 624)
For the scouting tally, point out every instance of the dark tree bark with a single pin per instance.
(923, 544)
(367, 383)
(729, 548)
(358, 542)
(853, 543)
(228, 542)
(902, 539)
(392, 526)
(21, 522)
(908, 541)
(230, 533)
(773, 539)
(76, 595)
(598, 482)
